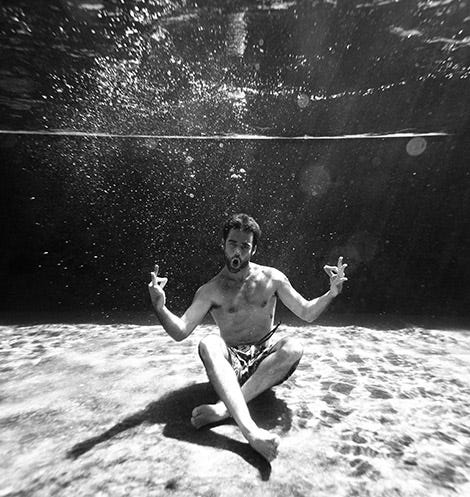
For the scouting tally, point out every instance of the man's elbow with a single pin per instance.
(309, 316)
(179, 337)
(182, 334)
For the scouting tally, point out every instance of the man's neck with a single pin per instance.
(239, 276)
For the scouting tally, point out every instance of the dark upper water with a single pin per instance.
(84, 217)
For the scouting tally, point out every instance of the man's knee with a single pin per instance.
(291, 351)
(210, 347)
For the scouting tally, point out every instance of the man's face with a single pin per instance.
(238, 249)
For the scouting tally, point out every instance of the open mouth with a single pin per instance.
(235, 263)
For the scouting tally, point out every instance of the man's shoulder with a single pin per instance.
(270, 272)
(209, 289)
(206, 287)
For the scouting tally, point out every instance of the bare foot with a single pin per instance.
(208, 413)
(265, 443)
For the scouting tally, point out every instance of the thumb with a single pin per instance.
(154, 278)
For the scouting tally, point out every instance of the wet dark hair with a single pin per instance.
(242, 222)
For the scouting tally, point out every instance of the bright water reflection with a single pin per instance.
(279, 68)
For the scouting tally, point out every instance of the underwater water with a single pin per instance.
(129, 130)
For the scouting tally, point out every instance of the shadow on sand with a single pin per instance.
(174, 410)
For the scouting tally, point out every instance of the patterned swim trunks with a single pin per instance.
(245, 359)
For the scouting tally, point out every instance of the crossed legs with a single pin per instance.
(233, 398)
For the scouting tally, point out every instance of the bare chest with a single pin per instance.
(244, 310)
(248, 297)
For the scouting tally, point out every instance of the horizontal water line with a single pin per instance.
(225, 137)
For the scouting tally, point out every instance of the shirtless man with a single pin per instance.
(240, 362)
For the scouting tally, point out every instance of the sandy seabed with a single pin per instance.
(103, 410)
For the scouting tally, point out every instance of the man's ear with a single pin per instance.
(253, 252)
(222, 244)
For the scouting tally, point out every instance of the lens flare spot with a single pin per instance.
(315, 180)
(416, 146)
(303, 100)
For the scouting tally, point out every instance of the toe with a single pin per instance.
(196, 421)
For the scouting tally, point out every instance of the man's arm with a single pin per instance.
(309, 310)
(178, 328)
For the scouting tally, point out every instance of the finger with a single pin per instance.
(159, 281)
(157, 268)
(340, 261)
(330, 270)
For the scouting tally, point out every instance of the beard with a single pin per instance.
(235, 264)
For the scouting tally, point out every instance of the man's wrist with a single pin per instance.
(158, 306)
(332, 293)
